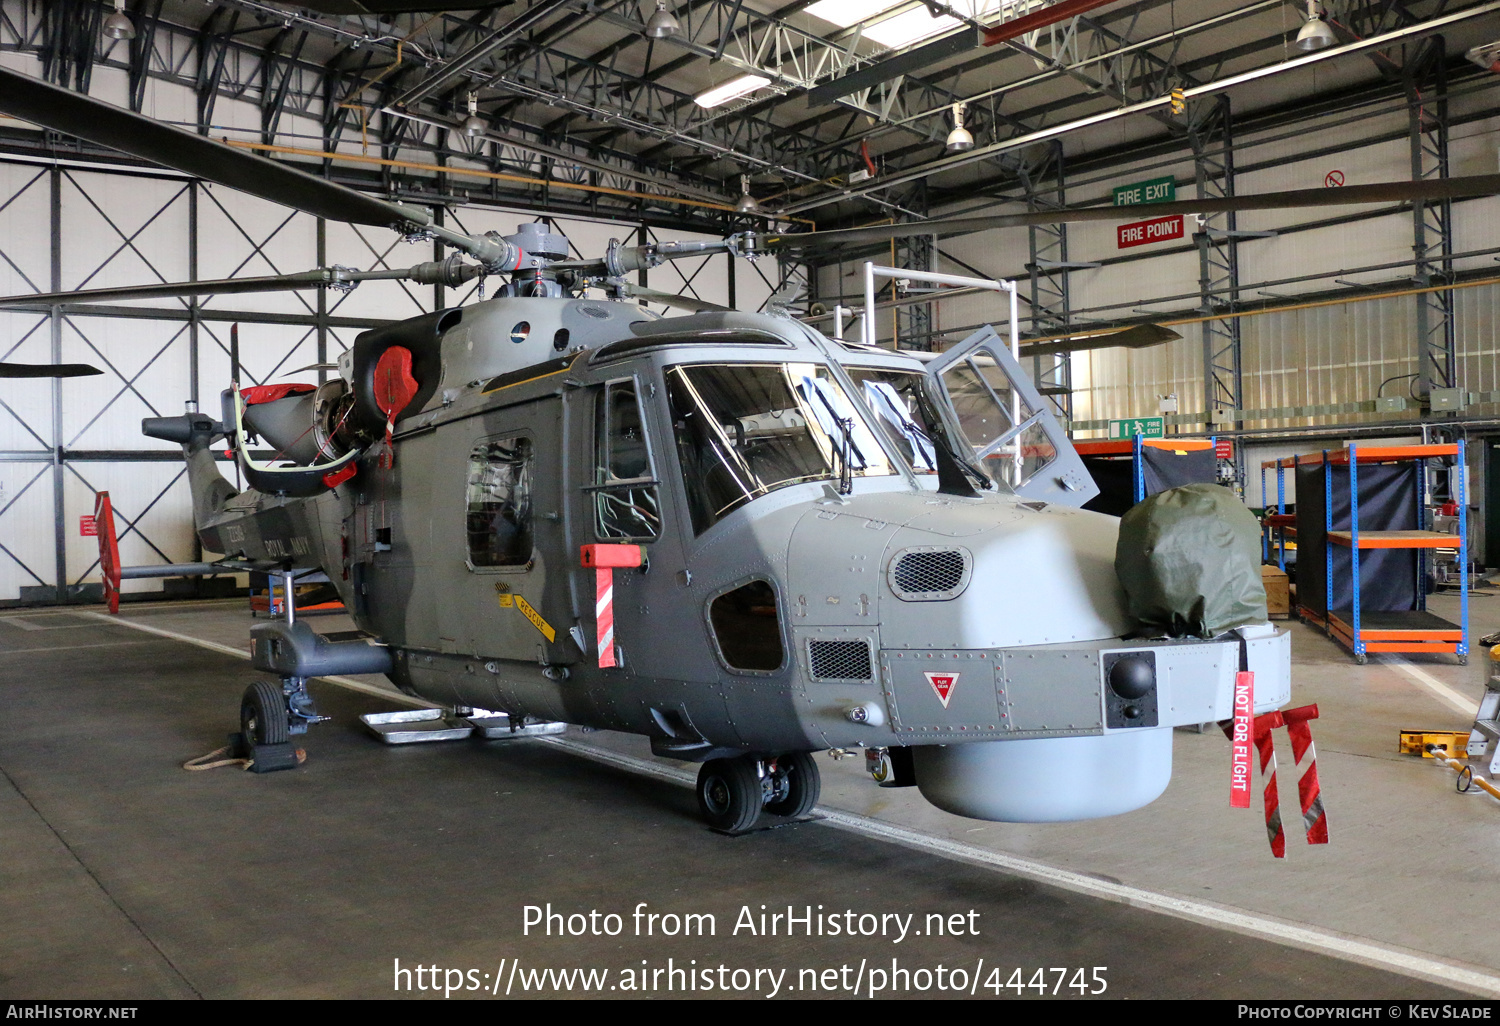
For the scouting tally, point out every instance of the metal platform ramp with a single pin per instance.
(416, 726)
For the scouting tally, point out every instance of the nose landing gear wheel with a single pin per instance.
(801, 787)
(263, 715)
(729, 794)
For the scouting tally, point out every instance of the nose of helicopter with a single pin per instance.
(1000, 576)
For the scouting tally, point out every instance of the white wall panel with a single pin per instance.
(25, 254)
(1384, 240)
(152, 527)
(25, 403)
(269, 354)
(1477, 338)
(145, 366)
(27, 554)
(754, 283)
(1121, 383)
(123, 230)
(231, 225)
(1130, 288)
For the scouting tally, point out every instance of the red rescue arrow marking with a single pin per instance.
(943, 684)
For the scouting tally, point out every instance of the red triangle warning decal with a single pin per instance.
(943, 684)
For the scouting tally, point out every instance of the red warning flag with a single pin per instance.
(1267, 747)
(1314, 819)
(109, 549)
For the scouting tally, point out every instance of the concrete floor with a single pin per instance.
(125, 877)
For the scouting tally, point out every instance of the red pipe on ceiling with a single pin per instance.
(1040, 19)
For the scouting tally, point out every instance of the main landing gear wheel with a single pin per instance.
(796, 785)
(729, 794)
(263, 715)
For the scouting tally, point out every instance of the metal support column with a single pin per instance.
(59, 528)
(918, 253)
(1211, 135)
(195, 319)
(322, 311)
(1051, 303)
(1432, 233)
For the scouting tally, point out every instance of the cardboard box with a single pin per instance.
(1278, 592)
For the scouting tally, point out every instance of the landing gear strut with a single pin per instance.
(733, 793)
(269, 712)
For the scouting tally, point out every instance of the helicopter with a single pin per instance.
(724, 531)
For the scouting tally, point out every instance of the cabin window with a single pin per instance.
(747, 627)
(499, 502)
(625, 490)
(745, 430)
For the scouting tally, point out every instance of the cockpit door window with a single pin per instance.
(626, 507)
(1006, 421)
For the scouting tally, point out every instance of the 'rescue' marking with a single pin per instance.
(535, 618)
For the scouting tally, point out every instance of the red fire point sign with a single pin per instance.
(1242, 742)
(943, 684)
(1158, 229)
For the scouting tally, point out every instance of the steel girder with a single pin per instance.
(1051, 305)
(251, 51)
(1432, 223)
(1217, 238)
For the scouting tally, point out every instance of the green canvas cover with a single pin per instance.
(1189, 561)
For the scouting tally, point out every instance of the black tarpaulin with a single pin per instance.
(1167, 468)
(1116, 480)
(1161, 468)
(1387, 502)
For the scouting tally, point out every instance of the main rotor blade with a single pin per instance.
(1382, 192)
(47, 370)
(62, 110)
(169, 290)
(1140, 336)
(680, 302)
(437, 272)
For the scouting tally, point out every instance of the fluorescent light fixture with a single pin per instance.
(731, 90)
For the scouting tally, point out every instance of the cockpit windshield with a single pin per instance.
(745, 430)
(895, 396)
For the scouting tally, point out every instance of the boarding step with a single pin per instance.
(414, 726)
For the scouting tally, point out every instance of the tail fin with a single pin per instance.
(196, 432)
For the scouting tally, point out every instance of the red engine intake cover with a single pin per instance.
(394, 385)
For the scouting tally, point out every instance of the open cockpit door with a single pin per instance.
(1006, 421)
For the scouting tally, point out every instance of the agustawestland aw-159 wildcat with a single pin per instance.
(724, 531)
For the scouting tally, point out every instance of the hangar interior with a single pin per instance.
(1293, 331)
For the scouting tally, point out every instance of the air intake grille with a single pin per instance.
(839, 660)
(930, 574)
